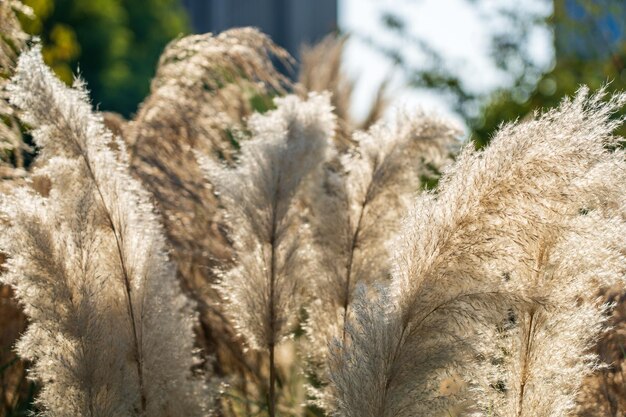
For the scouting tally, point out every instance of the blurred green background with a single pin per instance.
(115, 45)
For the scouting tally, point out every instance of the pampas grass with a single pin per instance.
(111, 332)
(13, 384)
(12, 41)
(355, 212)
(520, 233)
(317, 254)
(204, 89)
(262, 292)
(577, 248)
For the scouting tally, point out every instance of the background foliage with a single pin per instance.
(590, 49)
(114, 43)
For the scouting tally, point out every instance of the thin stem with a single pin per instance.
(125, 273)
(353, 245)
(127, 286)
(350, 262)
(272, 278)
(272, 389)
(529, 335)
(525, 358)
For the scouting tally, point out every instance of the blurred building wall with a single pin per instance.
(290, 23)
(589, 29)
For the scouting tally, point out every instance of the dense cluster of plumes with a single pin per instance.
(355, 207)
(414, 277)
(204, 88)
(521, 234)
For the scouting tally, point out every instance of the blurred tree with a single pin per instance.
(115, 44)
(590, 49)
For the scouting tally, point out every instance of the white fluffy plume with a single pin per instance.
(111, 332)
(504, 236)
